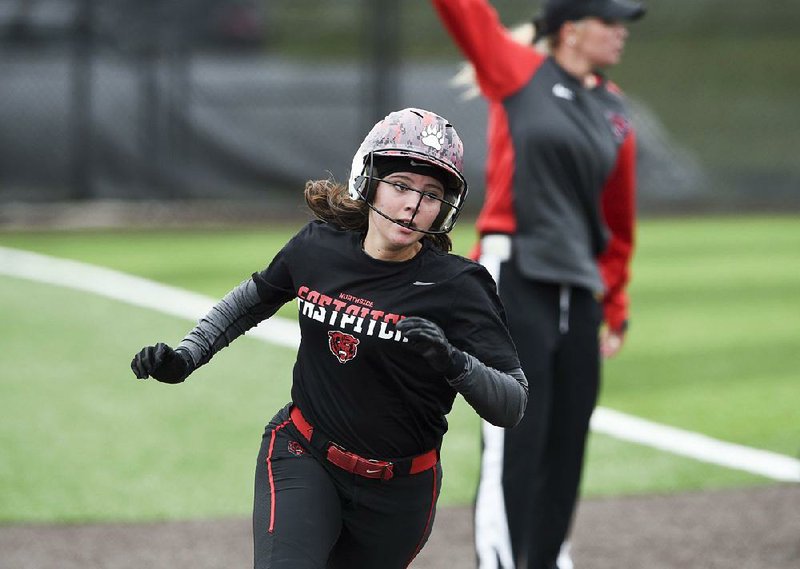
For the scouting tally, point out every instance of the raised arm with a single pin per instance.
(502, 64)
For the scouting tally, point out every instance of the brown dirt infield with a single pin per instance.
(754, 528)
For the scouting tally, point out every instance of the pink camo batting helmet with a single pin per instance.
(418, 135)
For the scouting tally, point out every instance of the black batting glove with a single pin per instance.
(161, 363)
(429, 341)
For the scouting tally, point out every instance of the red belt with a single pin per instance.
(367, 467)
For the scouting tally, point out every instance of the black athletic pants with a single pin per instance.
(310, 514)
(534, 469)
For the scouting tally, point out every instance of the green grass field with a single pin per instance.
(712, 349)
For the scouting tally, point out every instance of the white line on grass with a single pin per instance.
(695, 445)
(184, 304)
(132, 290)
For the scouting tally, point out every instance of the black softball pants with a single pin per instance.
(533, 471)
(310, 514)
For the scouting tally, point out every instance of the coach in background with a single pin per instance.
(557, 230)
(393, 327)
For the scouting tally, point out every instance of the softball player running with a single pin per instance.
(557, 233)
(393, 327)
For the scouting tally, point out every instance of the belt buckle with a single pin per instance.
(384, 470)
(351, 462)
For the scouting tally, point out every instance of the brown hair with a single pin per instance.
(329, 201)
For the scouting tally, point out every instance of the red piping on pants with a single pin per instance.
(428, 523)
(269, 475)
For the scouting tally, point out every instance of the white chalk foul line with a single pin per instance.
(132, 290)
(280, 331)
(695, 445)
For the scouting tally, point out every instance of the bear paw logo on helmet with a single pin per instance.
(432, 136)
(420, 136)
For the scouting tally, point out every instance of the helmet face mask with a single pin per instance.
(448, 206)
(424, 139)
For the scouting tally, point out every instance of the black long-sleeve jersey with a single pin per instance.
(355, 377)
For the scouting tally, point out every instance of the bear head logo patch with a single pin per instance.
(343, 346)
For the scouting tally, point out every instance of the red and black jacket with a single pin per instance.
(561, 161)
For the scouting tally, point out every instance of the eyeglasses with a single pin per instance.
(426, 198)
(445, 216)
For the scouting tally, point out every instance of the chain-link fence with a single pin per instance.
(246, 99)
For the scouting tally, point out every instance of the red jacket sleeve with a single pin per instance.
(502, 65)
(619, 205)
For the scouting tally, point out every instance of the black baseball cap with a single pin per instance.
(555, 12)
